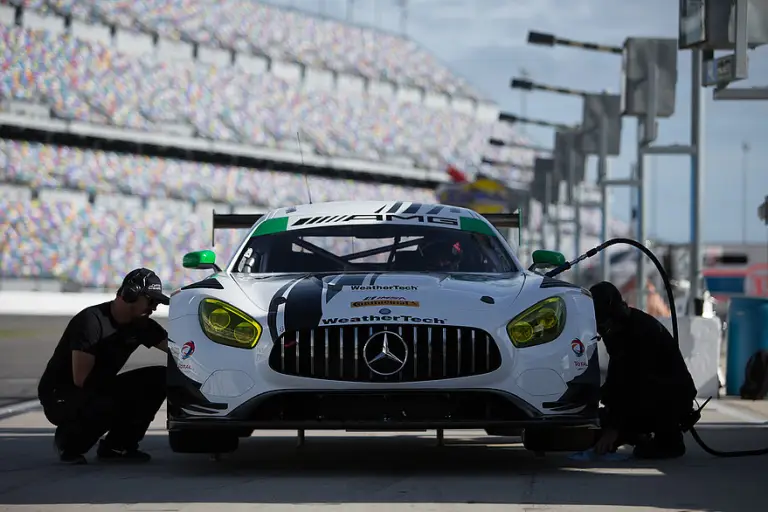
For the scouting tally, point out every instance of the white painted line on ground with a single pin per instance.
(18, 408)
(735, 412)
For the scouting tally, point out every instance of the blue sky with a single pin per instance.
(485, 41)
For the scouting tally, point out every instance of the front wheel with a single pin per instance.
(202, 441)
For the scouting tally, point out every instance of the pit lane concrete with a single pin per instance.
(355, 472)
(380, 472)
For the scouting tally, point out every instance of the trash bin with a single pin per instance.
(747, 333)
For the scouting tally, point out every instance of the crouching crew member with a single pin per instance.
(80, 389)
(649, 392)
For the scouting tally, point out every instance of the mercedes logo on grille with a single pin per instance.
(385, 353)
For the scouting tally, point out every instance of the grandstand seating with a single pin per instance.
(87, 81)
(254, 27)
(93, 243)
(45, 166)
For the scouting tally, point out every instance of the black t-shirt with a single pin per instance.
(96, 332)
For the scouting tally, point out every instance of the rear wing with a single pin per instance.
(247, 220)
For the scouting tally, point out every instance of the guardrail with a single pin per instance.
(55, 304)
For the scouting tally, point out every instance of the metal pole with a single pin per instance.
(575, 199)
(646, 134)
(545, 217)
(602, 172)
(558, 234)
(744, 166)
(641, 229)
(697, 171)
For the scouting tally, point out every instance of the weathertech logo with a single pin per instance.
(383, 318)
(387, 288)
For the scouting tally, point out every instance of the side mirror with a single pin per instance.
(553, 258)
(200, 260)
(546, 259)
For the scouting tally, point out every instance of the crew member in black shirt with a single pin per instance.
(648, 393)
(80, 389)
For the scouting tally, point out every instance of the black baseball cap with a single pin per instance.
(150, 283)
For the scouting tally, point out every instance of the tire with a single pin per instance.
(553, 439)
(202, 441)
(504, 432)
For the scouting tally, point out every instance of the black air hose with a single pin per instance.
(695, 415)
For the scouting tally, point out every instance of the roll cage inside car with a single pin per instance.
(375, 248)
(247, 263)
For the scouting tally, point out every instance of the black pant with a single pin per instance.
(640, 418)
(124, 410)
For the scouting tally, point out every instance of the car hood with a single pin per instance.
(303, 300)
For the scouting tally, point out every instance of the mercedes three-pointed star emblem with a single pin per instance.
(385, 353)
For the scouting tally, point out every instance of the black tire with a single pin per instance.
(504, 432)
(553, 439)
(202, 441)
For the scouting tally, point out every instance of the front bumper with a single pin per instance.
(387, 409)
(382, 410)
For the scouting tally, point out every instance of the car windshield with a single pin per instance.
(374, 248)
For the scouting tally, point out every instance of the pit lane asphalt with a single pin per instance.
(357, 471)
(379, 473)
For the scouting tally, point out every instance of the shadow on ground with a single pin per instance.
(392, 469)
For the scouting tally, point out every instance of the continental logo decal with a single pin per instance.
(384, 288)
(382, 318)
(384, 301)
(382, 217)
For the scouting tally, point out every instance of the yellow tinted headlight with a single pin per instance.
(227, 325)
(541, 323)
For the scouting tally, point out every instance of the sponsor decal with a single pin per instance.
(383, 288)
(385, 311)
(187, 350)
(384, 301)
(580, 364)
(578, 347)
(383, 318)
(185, 366)
(383, 217)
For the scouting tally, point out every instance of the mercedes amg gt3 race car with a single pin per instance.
(386, 316)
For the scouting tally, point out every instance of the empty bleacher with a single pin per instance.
(95, 213)
(82, 77)
(223, 70)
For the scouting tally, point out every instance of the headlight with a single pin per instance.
(539, 324)
(228, 325)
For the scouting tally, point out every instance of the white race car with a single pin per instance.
(376, 315)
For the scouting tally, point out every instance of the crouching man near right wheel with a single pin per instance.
(648, 393)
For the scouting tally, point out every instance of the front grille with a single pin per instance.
(337, 353)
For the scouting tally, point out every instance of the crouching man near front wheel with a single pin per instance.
(648, 392)
(81, 391)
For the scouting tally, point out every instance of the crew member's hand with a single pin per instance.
(607, 441)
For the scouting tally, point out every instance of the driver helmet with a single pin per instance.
(444, 255)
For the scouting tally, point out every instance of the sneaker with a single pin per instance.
(66, 457)
(666, 447)
(106, 453)
(73, 459)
